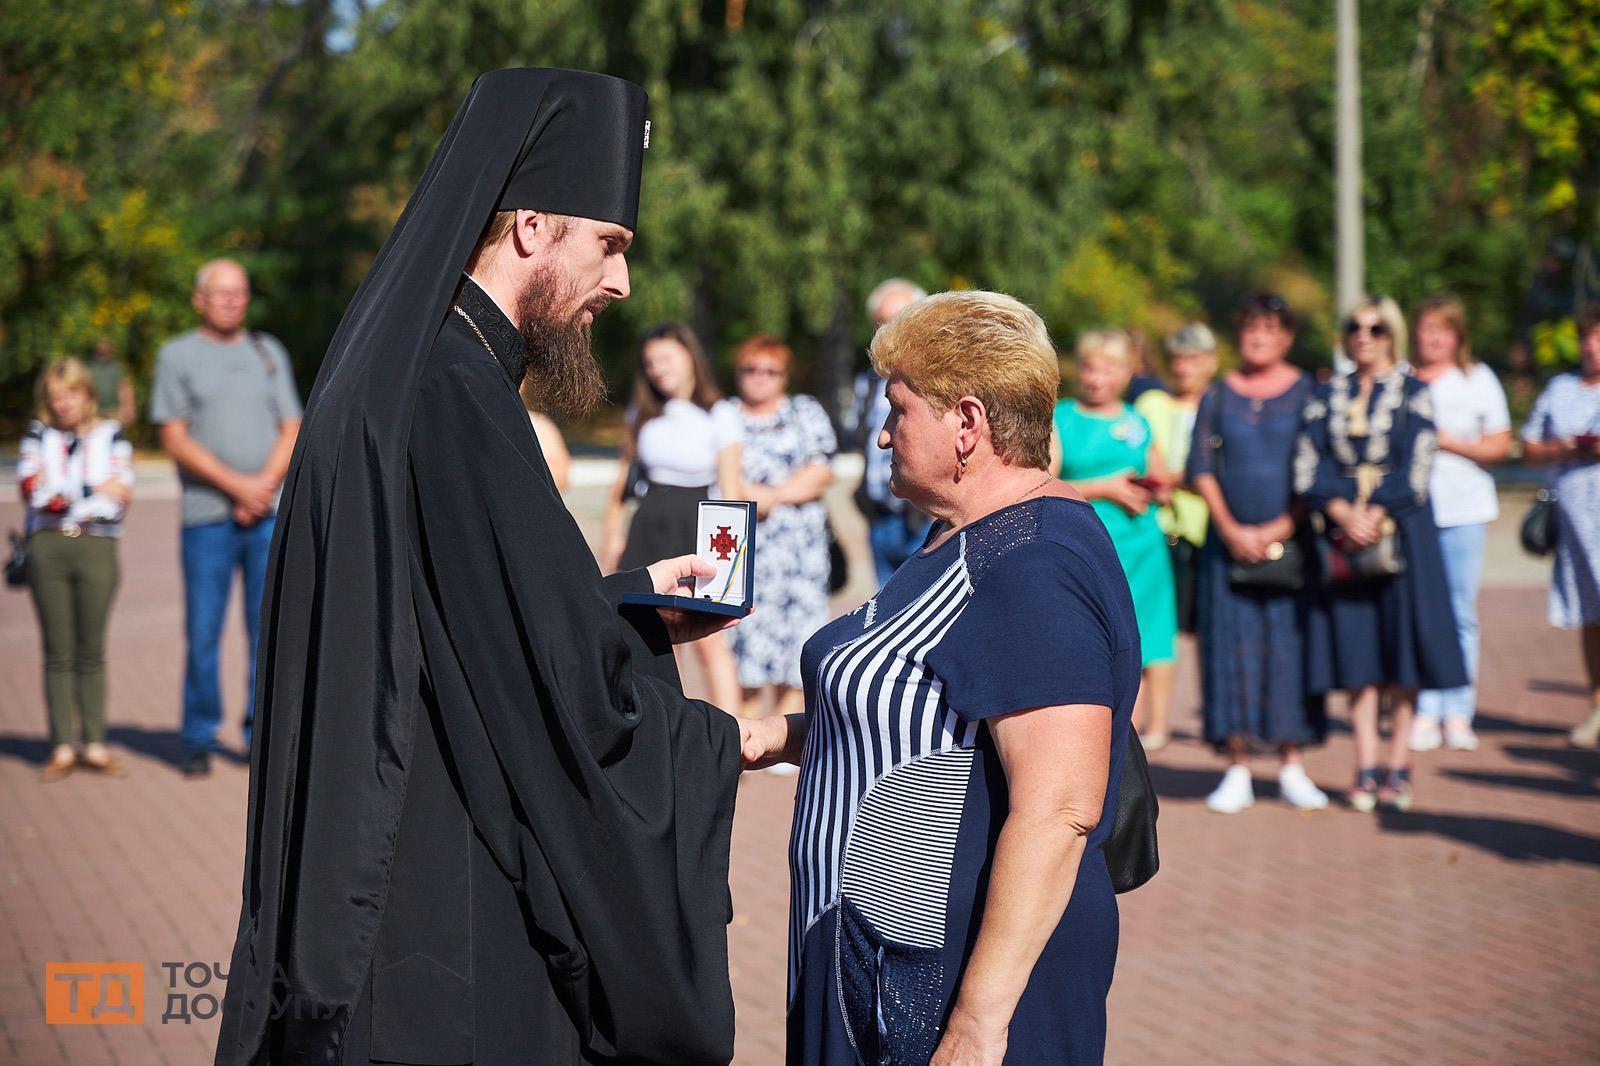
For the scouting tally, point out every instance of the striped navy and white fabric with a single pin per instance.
(878, 806)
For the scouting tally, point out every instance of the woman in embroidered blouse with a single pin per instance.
(75, 475)
(1363, 462)
(950, 900)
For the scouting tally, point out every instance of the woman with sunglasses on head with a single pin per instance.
(1383, 621)
(788, 442)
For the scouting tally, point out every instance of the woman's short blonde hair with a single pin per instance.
(982, 344)
(1389, 313)
(1110, 344)
(71, 373)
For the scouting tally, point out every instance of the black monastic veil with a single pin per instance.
(434, 622)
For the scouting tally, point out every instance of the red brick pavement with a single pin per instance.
(1464, 932)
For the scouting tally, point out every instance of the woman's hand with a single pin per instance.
(1362, 526)
(762, 741)
(1128, 495)
(116, 490)
(765, 497)
(1245, 544)
(667, 578)
(611, 554)
(968, 1042)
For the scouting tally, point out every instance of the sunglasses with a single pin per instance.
(1377, 329)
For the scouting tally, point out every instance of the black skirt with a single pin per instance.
(664, 524)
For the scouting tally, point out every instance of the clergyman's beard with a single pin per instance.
(563, 377)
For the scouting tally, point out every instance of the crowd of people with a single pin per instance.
(1232, 500)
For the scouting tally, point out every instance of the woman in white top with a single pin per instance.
(1474, 429)
(686, 449)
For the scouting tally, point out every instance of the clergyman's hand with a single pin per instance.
(669, 577)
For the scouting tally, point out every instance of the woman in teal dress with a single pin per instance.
(1109, 454)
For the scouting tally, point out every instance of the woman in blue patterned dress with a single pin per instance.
(1364, 463)
(950, 901)
(1253, 690)
(1564, 428)
(788, 442)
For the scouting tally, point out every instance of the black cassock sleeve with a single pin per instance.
(603, 794)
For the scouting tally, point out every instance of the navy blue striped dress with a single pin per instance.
(901, 795)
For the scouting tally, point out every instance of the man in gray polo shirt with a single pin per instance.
(228, 409)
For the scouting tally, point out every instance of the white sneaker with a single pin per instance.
(1299, 790)
(1425, 734)
(1458, 735)
(1587, 733)
(1234, 794)
(781, 769)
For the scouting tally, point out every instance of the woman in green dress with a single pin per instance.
(1110, 455)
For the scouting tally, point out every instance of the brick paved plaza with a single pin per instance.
(1465, 931)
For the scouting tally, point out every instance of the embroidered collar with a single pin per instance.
(502, 336)
(1388, 393)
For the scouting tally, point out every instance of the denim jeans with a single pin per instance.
(893, 542)
(211, 553)
(1462, 547)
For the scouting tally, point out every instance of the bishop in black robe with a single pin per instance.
(485, 824)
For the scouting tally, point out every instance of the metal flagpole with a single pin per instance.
(1351, 244)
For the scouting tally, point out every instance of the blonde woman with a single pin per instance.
(1109, 454)
(1474, 428)
(1364, 462)
(963, 733)
(75, 475)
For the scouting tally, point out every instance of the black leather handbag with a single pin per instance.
(1281, 571)
(1539, 532)
(17, 563)
(1131, 853)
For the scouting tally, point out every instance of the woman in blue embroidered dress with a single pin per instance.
(1364, 462)
(950, 901)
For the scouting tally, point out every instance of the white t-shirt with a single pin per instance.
(1467, 406)
(680, 445)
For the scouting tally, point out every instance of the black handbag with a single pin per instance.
(1283, 571)
(1539, 532)
(838, 565)
(1132, 855)
(17, 564)
(1346, 565)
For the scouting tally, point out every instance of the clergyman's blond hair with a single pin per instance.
(986, 345)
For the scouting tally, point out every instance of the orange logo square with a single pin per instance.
(93, 993)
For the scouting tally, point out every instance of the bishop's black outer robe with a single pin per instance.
(484, 824)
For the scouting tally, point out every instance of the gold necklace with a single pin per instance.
(481, 338)
(1047, 479)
